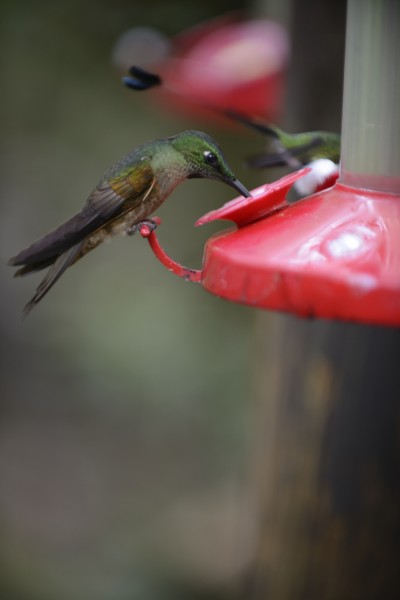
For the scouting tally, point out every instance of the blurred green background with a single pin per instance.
(127, 450)
(125, 404)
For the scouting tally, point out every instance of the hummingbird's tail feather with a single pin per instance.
(33, 268)
(56, 242)
(53, 275)
(48, 247)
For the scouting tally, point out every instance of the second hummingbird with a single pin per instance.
(290, 149)
(128, 193)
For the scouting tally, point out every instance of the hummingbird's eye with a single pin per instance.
(211, 158)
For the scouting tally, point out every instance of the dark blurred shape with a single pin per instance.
(141, 79)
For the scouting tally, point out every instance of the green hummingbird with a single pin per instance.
(293, 150)
(131, 190)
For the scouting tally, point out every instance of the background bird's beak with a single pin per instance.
(235, 183)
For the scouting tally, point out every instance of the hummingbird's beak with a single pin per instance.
(235, 183)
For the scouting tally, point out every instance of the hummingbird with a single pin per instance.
(294, 150)
(126, 195)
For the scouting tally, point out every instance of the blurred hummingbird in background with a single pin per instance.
(131, 190)
(294, 150)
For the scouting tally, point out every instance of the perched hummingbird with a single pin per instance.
(293, 150)
(132, 189)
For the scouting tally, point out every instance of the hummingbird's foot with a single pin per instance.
(145, 227)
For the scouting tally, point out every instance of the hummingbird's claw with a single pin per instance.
(144, 227)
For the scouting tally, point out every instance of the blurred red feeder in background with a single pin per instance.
(226, 63)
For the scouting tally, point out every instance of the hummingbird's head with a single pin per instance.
(204, 159)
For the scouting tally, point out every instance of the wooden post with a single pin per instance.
(328, 462)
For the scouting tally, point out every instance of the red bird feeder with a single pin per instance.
(335, 254)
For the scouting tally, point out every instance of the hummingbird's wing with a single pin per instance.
(108, 201)
(115, 195)
(277, 159)
(286, 155)
(291, 157)
(252, 123)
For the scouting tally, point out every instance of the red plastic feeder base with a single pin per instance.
(335, 254)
